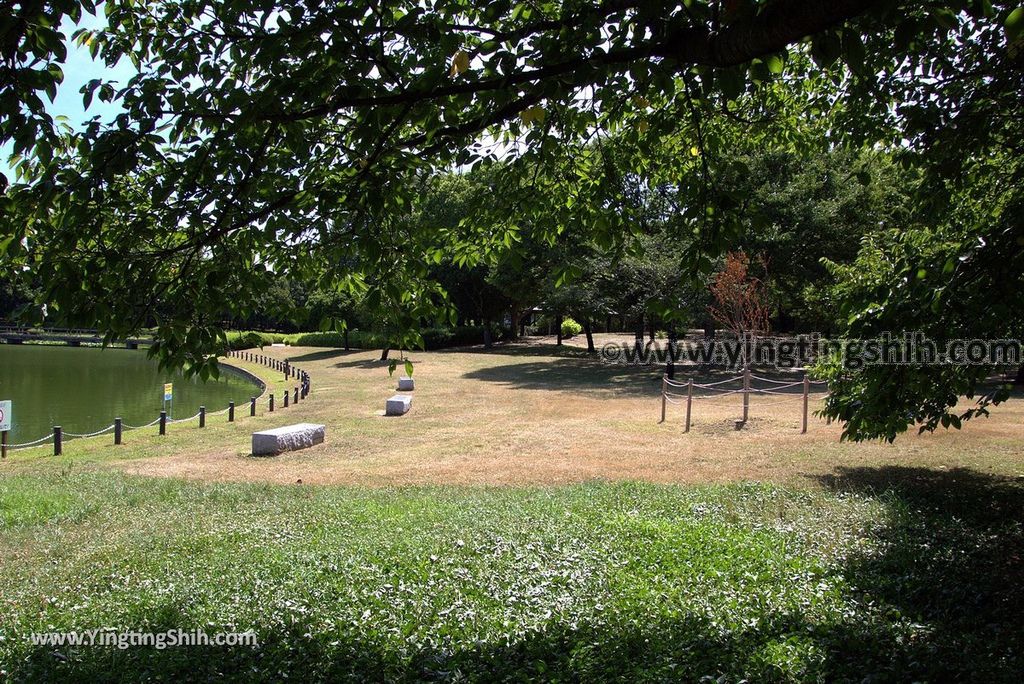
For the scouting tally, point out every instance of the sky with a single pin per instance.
(79, 69)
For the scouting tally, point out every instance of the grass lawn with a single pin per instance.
(528, 519)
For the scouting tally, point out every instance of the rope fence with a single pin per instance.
(715, 390)
(292, 396)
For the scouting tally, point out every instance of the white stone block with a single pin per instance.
(398, 405)
(406, 384)
(287, 438)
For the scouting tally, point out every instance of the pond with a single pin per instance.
(83, 389)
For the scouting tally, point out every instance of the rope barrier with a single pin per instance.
(784, 385)
(139, 427)
(91, 434)
(774, 391)
(181, 420)
(710, 384)
(781, 390)
(721, 392)
(26, 445)
(776, 382)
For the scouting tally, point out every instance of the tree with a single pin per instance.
(740, 300)
(799, 209)
(261, 141)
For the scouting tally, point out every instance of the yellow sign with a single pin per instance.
(168, 391)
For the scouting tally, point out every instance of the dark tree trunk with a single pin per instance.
(608, 323)
(384, 354)
(488, 339)
(670, 365)
(516, 316)
(345, 335)
(709, 330)
(650, 328)
(558, 329)
(1019, 380)
(589, 329)
(638, 335)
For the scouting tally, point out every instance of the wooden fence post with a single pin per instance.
(3, 444)
(296, 395)
(163, 422)
(746, 394)
(271, 402)
(202, 416)
(252, 406)
(807, 389)
(117, 431)
(287, 394)
(689, 403)
(231, 412)
(58, 441)
(664, 396)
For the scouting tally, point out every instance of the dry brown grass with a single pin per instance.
(530, 414)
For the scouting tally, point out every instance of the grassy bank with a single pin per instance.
(594, 581)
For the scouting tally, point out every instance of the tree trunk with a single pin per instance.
(558, 329)
(638, 335)
(651, 330)
(608, 323)
(384, 354)
(345, 335)
(709, 329)
(670, 365)
(1019, 380)
(589, 329)
(515, 315)
(488, 339)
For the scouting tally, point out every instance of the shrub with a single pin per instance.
(570, 328)
(433, 338)
(357, 339)
(248, 339)
(462, 336)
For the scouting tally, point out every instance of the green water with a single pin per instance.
(83, 389)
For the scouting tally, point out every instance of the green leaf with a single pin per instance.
(408, 368)
(1014, 24)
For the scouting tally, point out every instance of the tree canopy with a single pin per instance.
(261, 140)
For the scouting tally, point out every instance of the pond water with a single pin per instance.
(83, 389)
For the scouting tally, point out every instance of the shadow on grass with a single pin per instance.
(324, 355)
(573, 375)
(953, 560)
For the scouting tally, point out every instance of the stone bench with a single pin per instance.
(287, 438)
(398, 405)
(406, 384)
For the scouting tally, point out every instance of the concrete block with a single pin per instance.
(406, 384)
(398, 405)
(287, 438)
